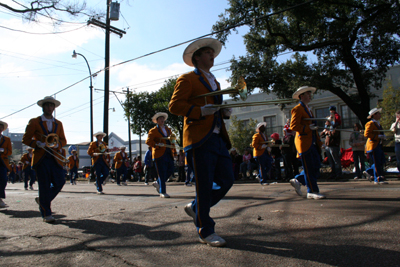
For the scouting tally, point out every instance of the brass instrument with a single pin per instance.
(258, 103)
(102, 149)
(51, 140)
(170, 146)
(240, 89)
(171, 138)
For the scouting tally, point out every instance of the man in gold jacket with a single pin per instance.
(308, 144)
(120, 159)
(47, 162)
(5, 152)
(374, 146)
(260, 152)
(97, 150)
(73, 165)
(205, 139)
(163, 156)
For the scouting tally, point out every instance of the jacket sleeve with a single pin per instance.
(297, 123)
(91, 149)
(179, 104)
(369, 131)
(28, 138)
(61, 136)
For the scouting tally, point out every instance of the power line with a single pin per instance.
(176, 45)
(38, 33)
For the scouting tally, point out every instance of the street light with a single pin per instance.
(74, 55)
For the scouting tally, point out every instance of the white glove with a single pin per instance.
(313, 127)
(226, 112)
(1, 150)
(40, 144)
(382, 136)
(96, 154)
(208, 110)
(264, 146)
(160, 144)
(269, 149)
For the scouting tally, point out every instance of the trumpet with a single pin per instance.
(51, 140)
(240, 89)
(171, 138)
(257, 103)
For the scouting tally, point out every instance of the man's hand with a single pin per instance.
(313, 127)
(208, 110)
(227, 112)
(40, 144)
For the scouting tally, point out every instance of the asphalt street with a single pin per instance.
(357, 225)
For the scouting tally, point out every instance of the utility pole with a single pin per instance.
(107, 73)
(129, 126)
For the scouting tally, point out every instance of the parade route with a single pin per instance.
(357, 225)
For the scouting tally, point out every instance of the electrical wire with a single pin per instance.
(173, 46)
(39, 33)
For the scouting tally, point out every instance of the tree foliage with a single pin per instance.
(141, 107)
(354, 43)
(390, 104)
(241, 135)
(50, 8)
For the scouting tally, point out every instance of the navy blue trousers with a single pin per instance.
(102, 171)
(165, 168)
(264, 164)
(311, 162)
(378, 158)
(3, 180)
(73, 174)
(29, 175)
(211, 163)
(122, 171)
(51, 180)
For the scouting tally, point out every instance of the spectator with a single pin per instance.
(236, 161)
(332, 143)
(277, 155)
(336, 119)
(289, 153)
(357, 143)
(396, 129)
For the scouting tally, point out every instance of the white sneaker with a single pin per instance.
(49, 219)
(381, 182)
(297, 186)
(265, 184)
(146, 183)
(2, 204)
(100, 193)
(164, 195)
(189, 211)
(315, 196)
(157, 186)
(31, 187)
(188, 184)
(213, 240)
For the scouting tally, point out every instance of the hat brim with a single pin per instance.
(159, 114)
(99, 133)
(261, 124)
(196, 45)
(54, 101)
(302, 90)
(376, 111)
(5, 124)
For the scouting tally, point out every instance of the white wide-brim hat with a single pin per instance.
(29, 148)
(99, 133)
(159, 114)
(196, 45)
(122, 147)
(261, 124)
(5, 124)
(48, 99)
(303, 89)
(373, 111)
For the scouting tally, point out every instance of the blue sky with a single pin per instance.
(36, 65)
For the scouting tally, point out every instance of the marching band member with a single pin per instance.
(120, 158)
(97, 151)
(374, 146)
(73, 164)
(163, 157)
(29, 172)
(205, 138)
(46, 161)
(5, 151)
(13, 171)
(307, 143)
(260, 152)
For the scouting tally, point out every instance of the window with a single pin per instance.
(321, 113)
(348, 117)
(271, 125)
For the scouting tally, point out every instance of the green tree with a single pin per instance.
(241, 135)
(354, 42)
(141, 107)
(390, 104)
